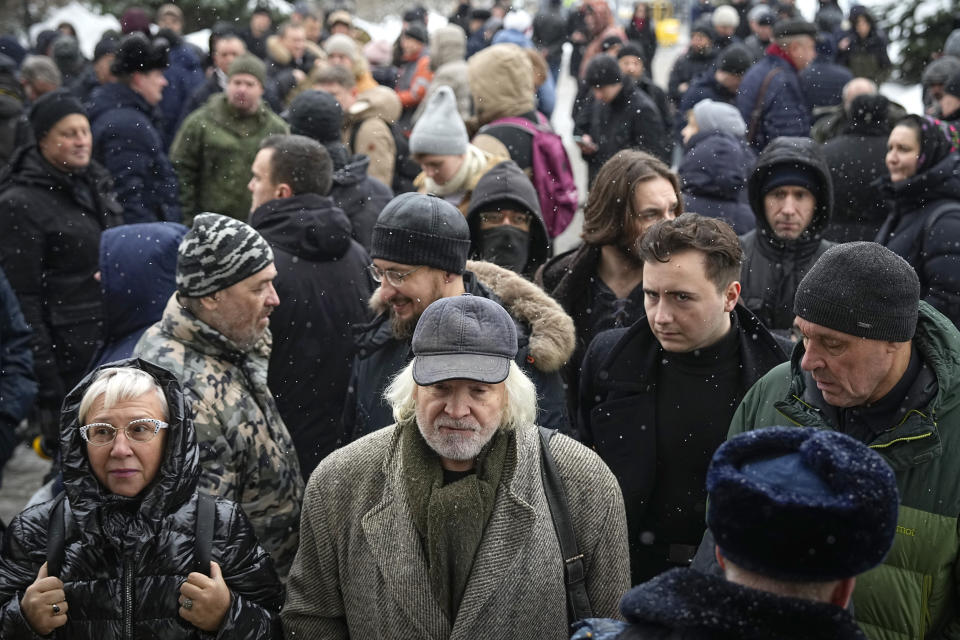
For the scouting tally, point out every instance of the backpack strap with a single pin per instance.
(578, 602)
(757, 114)
(56, 538)
(203, 534)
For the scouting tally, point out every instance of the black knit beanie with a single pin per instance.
(317, 115)
(50, 109)
(862, 289)
(602, 71)
(419, 229)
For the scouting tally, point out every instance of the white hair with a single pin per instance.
(117, 384)
(520, 410)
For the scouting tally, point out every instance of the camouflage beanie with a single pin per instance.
(218, 252)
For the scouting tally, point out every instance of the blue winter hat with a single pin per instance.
(801, 504)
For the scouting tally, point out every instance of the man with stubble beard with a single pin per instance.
(419, 248)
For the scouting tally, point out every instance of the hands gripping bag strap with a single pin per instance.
(578, 602)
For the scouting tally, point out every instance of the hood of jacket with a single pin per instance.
(308, 226)
(112, 96)
(138, 264)
(279, 54)
(552, 336)
(501, 81)
(716, 165)
(378, 102)
(939, 182)
(353, 172)
(176, 479)
(447, 44)
(792, 152)
(506, 181)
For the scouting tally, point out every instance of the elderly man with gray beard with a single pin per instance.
(445, 528)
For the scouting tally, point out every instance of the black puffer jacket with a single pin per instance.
(504, 183)
(323, 288)
(50, 226)
(125, 558)
(929, 244)
(772, 267)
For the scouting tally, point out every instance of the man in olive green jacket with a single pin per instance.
(883, 367)
(216, 144)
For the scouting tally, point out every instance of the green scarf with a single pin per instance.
(450, 518)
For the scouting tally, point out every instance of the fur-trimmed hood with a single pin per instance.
(552, 336)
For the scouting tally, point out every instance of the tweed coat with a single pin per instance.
(361, 572)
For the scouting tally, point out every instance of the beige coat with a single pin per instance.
(361, 573)
(366, 130)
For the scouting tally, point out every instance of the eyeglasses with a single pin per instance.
(392, 276)
(517, 218)
(141, 430)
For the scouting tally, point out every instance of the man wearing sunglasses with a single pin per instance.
(419, 249)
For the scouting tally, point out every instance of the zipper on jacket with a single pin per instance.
(127, 599)
(905, 439)
(925, 605)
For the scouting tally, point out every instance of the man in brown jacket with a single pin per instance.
(439, 526)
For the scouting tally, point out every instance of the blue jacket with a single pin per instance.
(184, 76)
(18, 385)
(784, 111)
(823, 83)
(127, 141)
(713, 175)
(138, 264)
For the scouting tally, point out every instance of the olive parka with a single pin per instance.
(914, 593)
(125, 558)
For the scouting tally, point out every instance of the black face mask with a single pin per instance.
(505, 246)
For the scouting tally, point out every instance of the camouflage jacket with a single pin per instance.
(246, 453)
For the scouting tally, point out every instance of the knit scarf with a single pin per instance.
(775, 50)
(450, 518)
(473, 163)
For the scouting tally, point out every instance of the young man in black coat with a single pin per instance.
(620, 116)
(321, 275)
(656, 399)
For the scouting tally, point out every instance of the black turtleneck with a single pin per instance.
(697, 394)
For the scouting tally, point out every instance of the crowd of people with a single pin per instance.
(288, 320)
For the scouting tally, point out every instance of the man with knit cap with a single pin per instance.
(720, 84)
(317, 115)
(451, 165)
(419, 250)
(618, 117)
(798, 514)
(217, 143)
(413, 74)
(213, 335)
(442, 524)
(791, 193)
(878, 364)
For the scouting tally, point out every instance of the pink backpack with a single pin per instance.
(552, 175)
